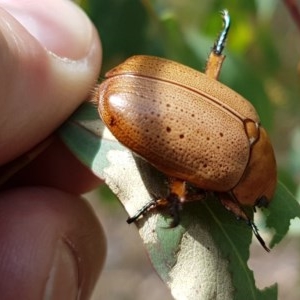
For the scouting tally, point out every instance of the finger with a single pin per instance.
(59, 168)
(50, 61)
(52, 245)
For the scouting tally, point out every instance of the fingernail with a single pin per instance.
(57, 25)
(63, 281)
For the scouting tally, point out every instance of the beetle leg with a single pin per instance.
(215, 59)
(174, 199)
(174, 208)
(195, 194)
(179, 193)
(142, 211)
(148, 206)
(177, 187)
(230, 202)
(231, 205)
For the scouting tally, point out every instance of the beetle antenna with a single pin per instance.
(221, 40)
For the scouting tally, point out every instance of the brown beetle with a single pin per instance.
(192, 128)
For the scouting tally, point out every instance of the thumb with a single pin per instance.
(52, 245)
(50, 59)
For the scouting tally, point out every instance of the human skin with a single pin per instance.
(52, 245)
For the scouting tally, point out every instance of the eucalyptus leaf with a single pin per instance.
(205, 257)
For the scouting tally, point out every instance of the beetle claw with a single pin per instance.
(257, 235)
(220, 43)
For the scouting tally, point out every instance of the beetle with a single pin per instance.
(192, 128)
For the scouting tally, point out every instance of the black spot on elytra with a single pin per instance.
(112, 122)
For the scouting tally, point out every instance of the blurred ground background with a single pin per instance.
(263, 54)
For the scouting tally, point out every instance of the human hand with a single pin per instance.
(52, 245)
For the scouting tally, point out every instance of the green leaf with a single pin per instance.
(84, 133)
(206, 255)
(284, 208)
